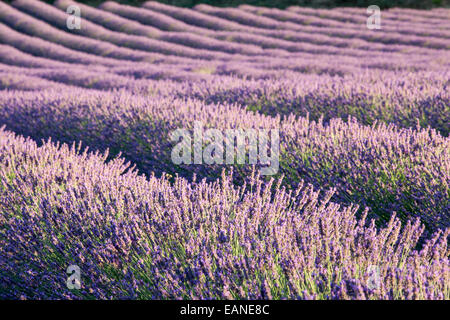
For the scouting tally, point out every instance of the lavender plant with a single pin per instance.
(383, 167)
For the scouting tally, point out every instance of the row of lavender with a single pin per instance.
(147, 72)
(382, 167)
(405, 99)
(137, 237)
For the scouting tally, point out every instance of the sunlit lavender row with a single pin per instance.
(138, 237)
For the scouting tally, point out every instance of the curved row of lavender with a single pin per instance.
(138, 237)
(364, 168)
(382, 167)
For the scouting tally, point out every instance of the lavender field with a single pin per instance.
(358, 206)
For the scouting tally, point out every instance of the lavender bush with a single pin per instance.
(135, 237)
(383, 167)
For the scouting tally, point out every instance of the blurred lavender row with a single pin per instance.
(364, 166)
